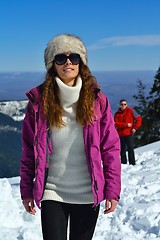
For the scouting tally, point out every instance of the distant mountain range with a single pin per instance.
(15, 84)
(115, 85)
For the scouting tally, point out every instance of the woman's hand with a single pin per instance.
(110, 205)
(29, 205)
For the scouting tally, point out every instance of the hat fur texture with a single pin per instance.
(64, 43)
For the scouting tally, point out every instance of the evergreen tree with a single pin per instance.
(155, 105)
(141, 98)
(149, 109)
(143, 110)
(155, 95)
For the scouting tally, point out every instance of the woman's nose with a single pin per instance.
(68, 61)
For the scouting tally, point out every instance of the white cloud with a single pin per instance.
(142, 40)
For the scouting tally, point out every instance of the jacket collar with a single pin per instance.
(34, 95)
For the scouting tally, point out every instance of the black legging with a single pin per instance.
(55, 215)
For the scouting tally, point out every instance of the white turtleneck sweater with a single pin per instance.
(68, 178)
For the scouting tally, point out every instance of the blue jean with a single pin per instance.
(55, 215)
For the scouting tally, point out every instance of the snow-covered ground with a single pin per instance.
(137, 216)
(14, 109)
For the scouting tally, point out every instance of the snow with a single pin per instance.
(14, 109)
(137, 216)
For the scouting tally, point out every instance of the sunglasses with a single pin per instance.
(123, 104)
(61, 59)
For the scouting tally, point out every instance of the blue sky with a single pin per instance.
(118, 34)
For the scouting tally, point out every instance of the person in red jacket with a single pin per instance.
(127, 124)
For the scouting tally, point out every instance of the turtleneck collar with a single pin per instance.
(69, 94)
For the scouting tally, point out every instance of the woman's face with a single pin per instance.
(68, 71)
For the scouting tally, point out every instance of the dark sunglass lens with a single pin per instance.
(74, 58)
(60, 59)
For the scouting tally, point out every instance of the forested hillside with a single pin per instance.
(10, 146)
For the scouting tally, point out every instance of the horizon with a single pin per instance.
(115, 84)
(116, 70)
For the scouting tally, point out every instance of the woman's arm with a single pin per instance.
(110, 152)
(27, 164)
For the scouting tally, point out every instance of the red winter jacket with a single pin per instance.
(121, 119)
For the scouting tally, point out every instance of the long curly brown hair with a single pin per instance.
(51, 98)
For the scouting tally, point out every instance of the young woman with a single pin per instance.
(70, 147)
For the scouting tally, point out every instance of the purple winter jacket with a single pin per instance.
(101, 143)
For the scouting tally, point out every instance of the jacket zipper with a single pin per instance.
(95, 182)
(92, 171)
(36, 144)
(47, 158)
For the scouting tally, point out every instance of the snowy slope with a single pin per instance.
(14, 109)
(137, 216)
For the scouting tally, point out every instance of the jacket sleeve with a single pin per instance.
(110, 152)
(137, 122)
(27, 164)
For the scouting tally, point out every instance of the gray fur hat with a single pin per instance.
(64, 43)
